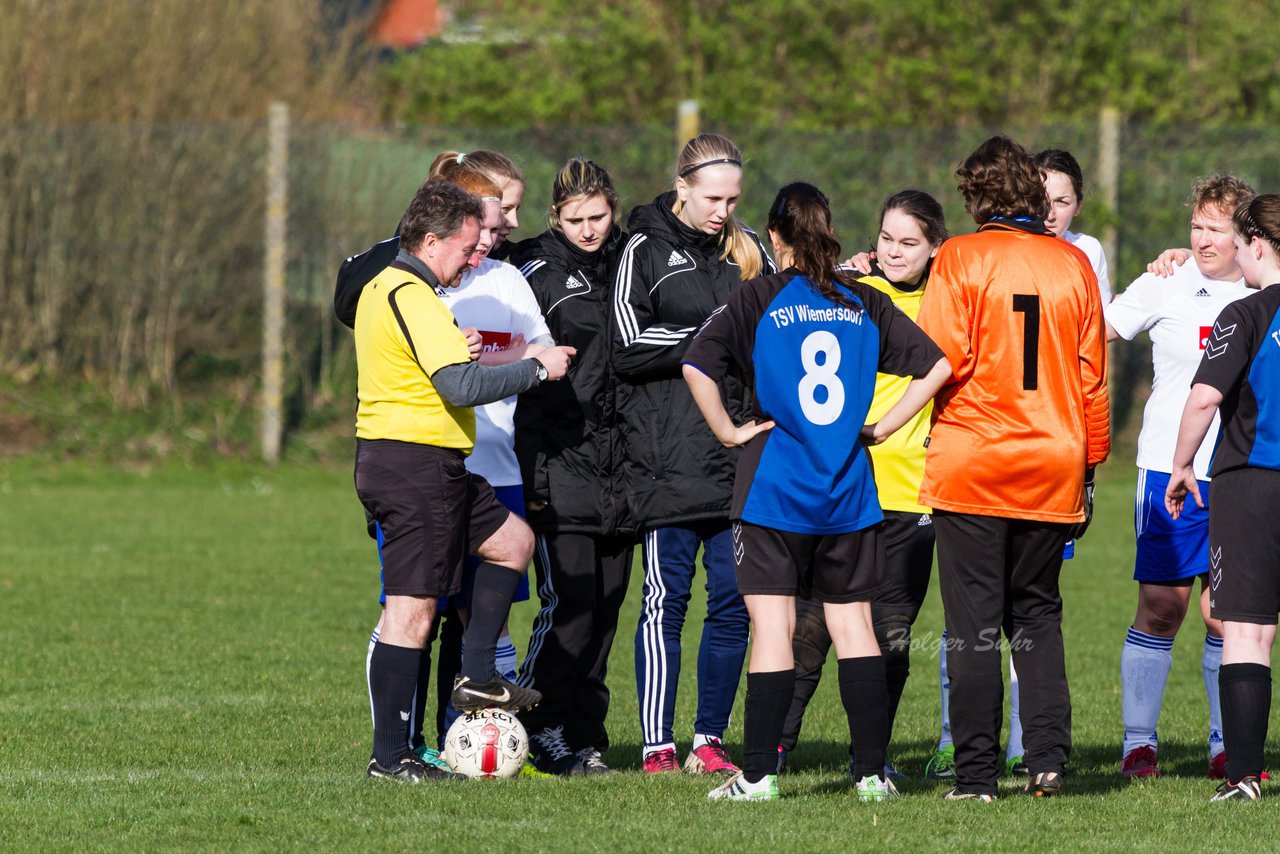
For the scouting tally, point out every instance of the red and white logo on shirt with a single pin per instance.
(496, 342)
(1205, 332)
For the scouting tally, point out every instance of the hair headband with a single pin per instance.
(686, 173)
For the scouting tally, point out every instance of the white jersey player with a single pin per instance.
(1179, 313)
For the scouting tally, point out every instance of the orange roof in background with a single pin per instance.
(407, 23)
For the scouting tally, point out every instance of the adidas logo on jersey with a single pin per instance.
(1202, 293)
(676, 259)
(573, 284)
(925, 521)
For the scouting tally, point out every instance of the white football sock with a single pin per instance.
(504, 657)
(1144, 669)
(945, 738)
(1015, 719)
(368, 659)
(700, 739)
(1210, 663)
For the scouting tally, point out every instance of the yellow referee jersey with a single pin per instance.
(899, 460)
(404, 334)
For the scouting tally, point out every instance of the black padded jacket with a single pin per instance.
(566, 432)
(670, 280)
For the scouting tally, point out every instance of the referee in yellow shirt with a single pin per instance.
(415, 425)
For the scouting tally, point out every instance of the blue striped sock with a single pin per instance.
(1210, 662)
(1147, 641)
(1145, 662)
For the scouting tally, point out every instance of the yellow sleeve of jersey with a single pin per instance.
(898, 462)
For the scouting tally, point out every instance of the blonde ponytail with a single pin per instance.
(744, 251)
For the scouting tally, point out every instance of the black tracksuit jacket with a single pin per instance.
(670, 280)
(566, 432)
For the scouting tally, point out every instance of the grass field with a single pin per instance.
(183, 667)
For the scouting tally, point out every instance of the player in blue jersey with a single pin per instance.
(911, 228)
(806, 517)
(1240, 373)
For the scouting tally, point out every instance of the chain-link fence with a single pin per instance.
(133, 256)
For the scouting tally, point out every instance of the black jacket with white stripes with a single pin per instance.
(566, 432)
(670, 280)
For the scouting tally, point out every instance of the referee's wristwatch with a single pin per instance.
(542, 371)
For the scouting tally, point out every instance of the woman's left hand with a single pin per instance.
(741, 435)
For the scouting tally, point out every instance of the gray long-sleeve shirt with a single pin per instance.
(474, 384)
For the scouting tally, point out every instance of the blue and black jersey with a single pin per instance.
(812, 364)
(1242, 360)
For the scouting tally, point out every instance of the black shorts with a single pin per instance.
(1244, 546)
(432, 511)
(834, 568)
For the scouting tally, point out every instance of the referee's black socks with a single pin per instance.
(866, 702)
(1245, 690)
(393, 678)
(768, 698)
(416, 739)
(490, 602)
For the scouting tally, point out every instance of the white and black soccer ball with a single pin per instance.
(487, 743)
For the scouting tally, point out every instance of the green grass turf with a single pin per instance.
(183, 667)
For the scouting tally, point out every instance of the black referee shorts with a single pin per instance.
(432, 511)
(1244, 546)
(834, 568)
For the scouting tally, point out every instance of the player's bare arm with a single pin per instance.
(1202, 405)
(919, 392)
(517, 349)
(707, 395)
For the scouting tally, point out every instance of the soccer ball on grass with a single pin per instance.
(487, 743)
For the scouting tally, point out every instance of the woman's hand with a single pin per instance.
(706, 394)
(861, 262)
(738, 436)
(1168, 261)
(1182, 480)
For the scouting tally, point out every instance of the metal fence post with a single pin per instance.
(1121, 365)
(273, 282)
(1109, 180)
(688, 123)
